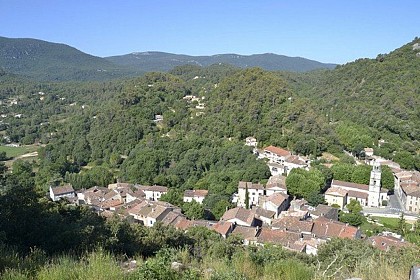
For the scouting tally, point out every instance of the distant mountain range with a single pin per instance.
(43, 60)
(160, 61)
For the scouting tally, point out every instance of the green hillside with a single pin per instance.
(54, 62)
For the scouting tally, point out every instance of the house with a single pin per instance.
(326, 229)
(254, 192)
(158, 118)
(324, 211)
(148, 212)
(224, 228)
(153, 192)
(251, 142)
(197, 195)
(277, 202)
(336, 196)
(241, 216)
(386, 243)
(275, 184)
(135, 195)
(293, 224)
(247, 234)
(284, 238)
(120, 185)
(407, 188)
(368, 152)
(92, 196)
(62, 192)
(275, 154)
(266, 216)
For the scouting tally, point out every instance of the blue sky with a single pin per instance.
(328, 31)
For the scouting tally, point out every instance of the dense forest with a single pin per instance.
(148, 130)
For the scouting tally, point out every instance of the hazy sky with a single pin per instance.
(337, 31)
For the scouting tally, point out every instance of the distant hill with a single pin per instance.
(160, 61)
(51, 61)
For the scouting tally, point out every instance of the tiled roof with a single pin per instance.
(290, 223)
(385, 243)
(264, 213)
(336, 191)
(250, 185)
(153, 188)
(196, 193)
(295, 160)
(62, 190)
(277, 151)
(223, 228)
(326, 228)
(325, 211)
(278, 181)
(282, 237)
(245, 232)
(242, 214)
(344, 184)
(357, 194)
(277, 198)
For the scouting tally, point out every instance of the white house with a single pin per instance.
(197, 195)
(153, 192)
(276, 202)
(255, 191)
(65, 191)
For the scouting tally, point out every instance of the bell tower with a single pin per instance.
(375, 185)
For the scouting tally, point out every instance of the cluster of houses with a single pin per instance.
(270, 217)
(280, 161)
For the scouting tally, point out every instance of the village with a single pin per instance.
(263, 213)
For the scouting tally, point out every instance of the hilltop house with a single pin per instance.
(63, 192)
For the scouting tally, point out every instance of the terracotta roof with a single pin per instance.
(336, 191)
(223, 228)
(120, 185)
(295, 160)
(153, 188)
(385, 243)
(277, 198)
(250, 185)
(325, 211)
(264, 213)
(326, 228)
(62, 190)
(183, 224)
(285, 238)
(278, 181)
(357, 194)
(290, 223)
(171, 217)
(245, 232)
(196, 193)
(337, 183)
(277, 151)
(242, 214)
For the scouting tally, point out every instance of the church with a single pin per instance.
(372, 195)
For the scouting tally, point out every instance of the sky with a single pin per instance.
(333, 31)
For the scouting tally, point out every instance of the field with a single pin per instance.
(13, 152)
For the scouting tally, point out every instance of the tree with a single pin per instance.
(354, 206)
(173, 196)
(354, 219)
(193, 210)
(401, 225)
(246, 198)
